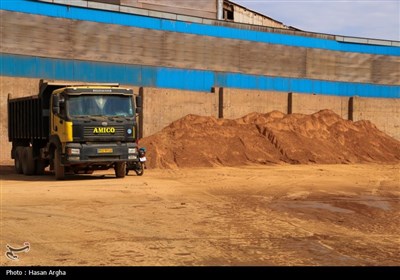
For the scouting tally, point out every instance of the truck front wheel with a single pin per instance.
(120, 169)
(59, 169)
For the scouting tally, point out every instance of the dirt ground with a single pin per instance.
(224, 216)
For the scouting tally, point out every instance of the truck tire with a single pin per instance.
(59, 169)
(120, 169)
(140, 171)
(18, 160)
(40, 166)
(28, 163)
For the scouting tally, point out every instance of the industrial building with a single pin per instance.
(206, 57)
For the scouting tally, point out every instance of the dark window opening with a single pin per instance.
(228, 11)
(228, 15)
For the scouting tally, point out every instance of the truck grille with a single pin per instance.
(88, 132)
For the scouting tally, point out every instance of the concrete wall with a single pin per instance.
(383, 112)
(238, 102)
(311, 103)
(163, 106)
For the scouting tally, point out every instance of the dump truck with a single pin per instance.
(74, 128)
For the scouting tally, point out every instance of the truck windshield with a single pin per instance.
(100, 105)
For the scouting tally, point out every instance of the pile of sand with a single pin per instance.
(323, 137)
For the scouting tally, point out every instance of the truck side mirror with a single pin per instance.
(56, 104)
(139, 104)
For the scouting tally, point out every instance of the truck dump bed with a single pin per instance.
(26, 120)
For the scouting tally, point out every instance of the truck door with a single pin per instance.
(59, 125)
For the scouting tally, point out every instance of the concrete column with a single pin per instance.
(220, 9)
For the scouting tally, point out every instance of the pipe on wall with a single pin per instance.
(220, 9)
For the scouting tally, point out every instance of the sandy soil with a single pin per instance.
(253, 215)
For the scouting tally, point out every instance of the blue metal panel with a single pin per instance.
(341, 87)
(18, 66)
(192, 80)
(77, 13)
(281, 84)
(220, 79)
(45, 67)
(188, 79)
(167, 78)
(61, 69)
(87, 71)
(132, 74)
(208, 80)
(149, 76)
(302, 85)
(197, 80)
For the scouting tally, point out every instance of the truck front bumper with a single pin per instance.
(99, 153)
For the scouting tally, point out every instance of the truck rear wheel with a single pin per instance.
(59, 170)
(28, 163)
(18, 160)
(120, 169)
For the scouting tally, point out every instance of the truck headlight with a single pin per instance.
(73, 151)
(132, 151)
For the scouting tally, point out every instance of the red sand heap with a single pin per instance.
(323, 137)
